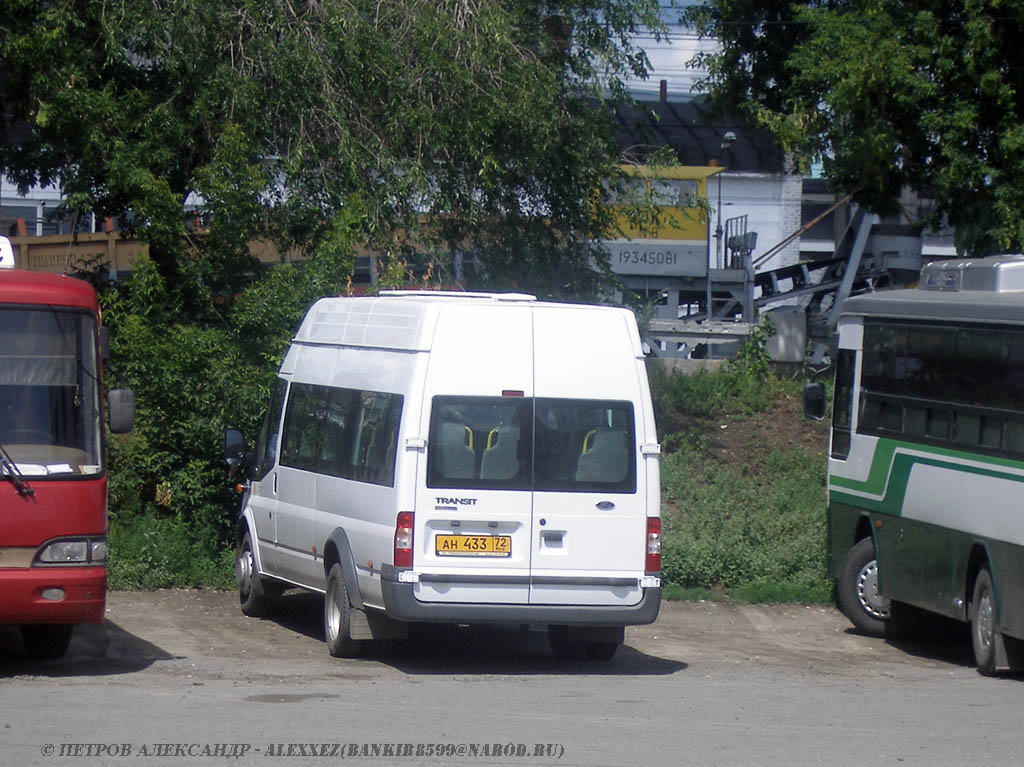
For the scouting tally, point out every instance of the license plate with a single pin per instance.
(473, 545)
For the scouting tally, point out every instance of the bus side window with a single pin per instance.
(842, 408)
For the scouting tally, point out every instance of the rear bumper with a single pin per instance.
(21, 595)
(401, 604)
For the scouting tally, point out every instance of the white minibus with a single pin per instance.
(458, 458)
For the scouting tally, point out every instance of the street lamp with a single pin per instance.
(727, 139)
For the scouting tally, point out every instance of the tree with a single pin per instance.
(434, 126)
(888, 94)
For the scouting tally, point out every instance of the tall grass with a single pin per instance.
(755, 532)
(760, 537)
(153, 552)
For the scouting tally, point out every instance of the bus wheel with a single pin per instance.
(46, 641)
(983, 623)
(564, 645)
(859, 599)
(254, 593)
(340, 643)
(602, 650)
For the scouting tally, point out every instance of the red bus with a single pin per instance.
(53, 484)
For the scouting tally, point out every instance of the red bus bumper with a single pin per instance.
(21, 595)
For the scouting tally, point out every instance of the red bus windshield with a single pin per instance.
(50, 420)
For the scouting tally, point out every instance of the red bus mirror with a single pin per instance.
(121, 410)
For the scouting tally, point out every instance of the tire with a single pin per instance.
(858, 594)
(564, 645)
(340, 643)
(983, 623)
(255, 593)
(602, 650)
(45, 641)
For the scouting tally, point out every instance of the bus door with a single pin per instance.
(263, 487)
(590, 502)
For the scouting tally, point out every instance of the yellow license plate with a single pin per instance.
(473, 545)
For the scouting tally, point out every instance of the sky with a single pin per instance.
(670, 60)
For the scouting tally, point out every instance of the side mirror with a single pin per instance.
(234, 447)
(121, 410)
(814, 401)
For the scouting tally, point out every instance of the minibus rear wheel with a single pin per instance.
(602, 650)
(337, 628)
(564, 644)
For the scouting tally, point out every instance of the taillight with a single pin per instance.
(652, 563)
(403, 539)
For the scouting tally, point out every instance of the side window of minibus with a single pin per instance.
(266, 445)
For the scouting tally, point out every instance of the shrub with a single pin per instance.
(754, 531)
(154, 551)
(760, 536)
(192, 378)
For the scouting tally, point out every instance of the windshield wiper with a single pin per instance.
(11, 470)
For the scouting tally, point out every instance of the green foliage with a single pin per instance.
(155, 552)
(167, 478)
(676, 593)
(759, 535)
(888, 95)
(419, 129)
(451, 127)
(809, 591)
(754, 531)
(752, 360)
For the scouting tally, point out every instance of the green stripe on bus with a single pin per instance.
(894, 487)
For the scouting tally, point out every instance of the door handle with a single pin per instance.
(552, 537)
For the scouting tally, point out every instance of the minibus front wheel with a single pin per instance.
(255, 593)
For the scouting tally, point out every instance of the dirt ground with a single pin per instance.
(706, 684)
(745, 439)
(203, 632)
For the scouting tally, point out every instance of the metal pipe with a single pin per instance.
(727, 139)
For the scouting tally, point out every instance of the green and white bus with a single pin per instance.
(926, 456)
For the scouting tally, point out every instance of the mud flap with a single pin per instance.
(1009, 653)
(596, 633)
(372, 624)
